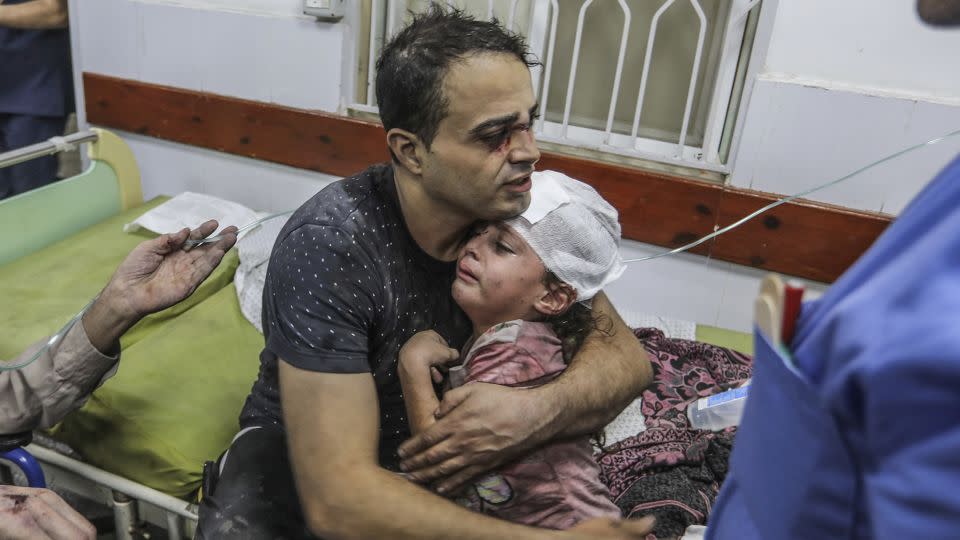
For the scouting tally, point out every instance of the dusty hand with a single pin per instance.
(158, 273)
(479, 427)
(613, 529)
(426, 351)
(31, 514)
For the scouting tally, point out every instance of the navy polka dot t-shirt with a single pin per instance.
(346, 287)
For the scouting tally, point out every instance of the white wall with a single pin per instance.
(798, 136)
(838, 84)
(168, 168)
(279, 57)
(844, 84)
(262, 50)
(869, 44)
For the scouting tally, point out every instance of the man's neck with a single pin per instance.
(438, 229)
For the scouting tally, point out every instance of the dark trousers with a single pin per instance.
(254, 497)
(17, 131)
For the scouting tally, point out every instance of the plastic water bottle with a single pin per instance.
(718, 411)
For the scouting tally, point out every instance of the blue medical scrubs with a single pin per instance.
(36, 96)
(856, 432)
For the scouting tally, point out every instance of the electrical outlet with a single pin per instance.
(325, 10)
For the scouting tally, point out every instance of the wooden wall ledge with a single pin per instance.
(806, 239)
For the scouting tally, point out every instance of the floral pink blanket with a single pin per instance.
(670, 470)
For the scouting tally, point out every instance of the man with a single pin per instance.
(157, 274)
(36, 86)
(363, 266)
(939, 12)
(857, 434)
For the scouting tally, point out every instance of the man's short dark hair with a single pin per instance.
(412, 65)
(939, 12)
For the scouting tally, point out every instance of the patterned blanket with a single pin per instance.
(671, 470)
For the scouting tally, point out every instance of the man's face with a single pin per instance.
(483, 153)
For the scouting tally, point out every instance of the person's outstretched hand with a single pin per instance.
(40, 514)
(157, 274)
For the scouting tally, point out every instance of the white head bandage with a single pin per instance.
(573, 230)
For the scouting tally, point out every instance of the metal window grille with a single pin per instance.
(669, 97)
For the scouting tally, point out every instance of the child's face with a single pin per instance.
(499, 278)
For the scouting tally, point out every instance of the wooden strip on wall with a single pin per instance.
(305, 139)
(805, 239)
(811, 240)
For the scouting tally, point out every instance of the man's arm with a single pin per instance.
(332, 427)
(154, 276)
(482, 426)
(35, 15)
(57, 382)
(607, 374)
(332, 431)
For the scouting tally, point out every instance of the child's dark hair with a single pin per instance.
(572, 327)
(575, 324)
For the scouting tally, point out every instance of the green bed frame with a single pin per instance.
(33, 220)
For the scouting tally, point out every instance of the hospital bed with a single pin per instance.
(138, 445)
(185, 370)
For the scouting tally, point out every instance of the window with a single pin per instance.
(621, 79)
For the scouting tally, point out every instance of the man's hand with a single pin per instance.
(158, 273)
(614, 529)
(40, 514)
(479, 428)
(155, 275)
(426, 352)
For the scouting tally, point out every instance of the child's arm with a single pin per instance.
(420, 399)
(417, 367)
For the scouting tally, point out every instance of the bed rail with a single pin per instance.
(52, 146)
(179, 516)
